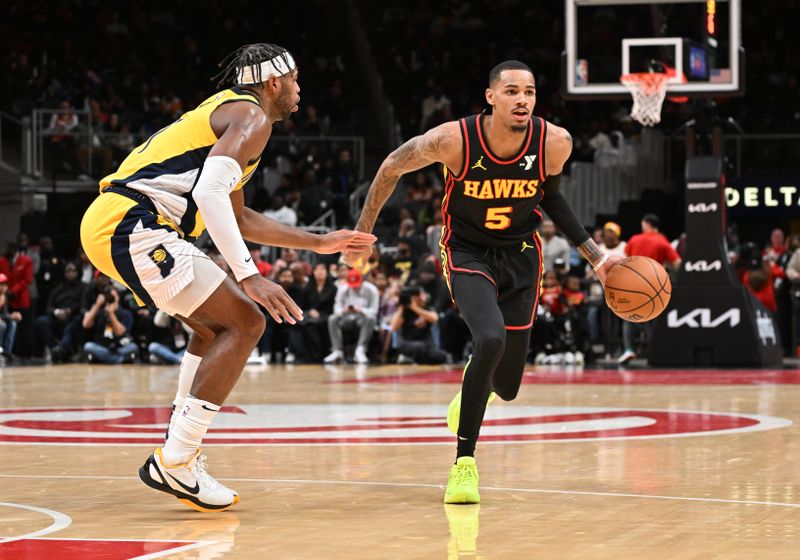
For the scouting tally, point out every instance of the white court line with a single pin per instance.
(60, 521)
(439, 486)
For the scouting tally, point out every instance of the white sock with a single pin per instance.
(188, 431)
(186, 373)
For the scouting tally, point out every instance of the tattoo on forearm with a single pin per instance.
(590, 251)
(405, 152)
(414, 154)
(379, 192)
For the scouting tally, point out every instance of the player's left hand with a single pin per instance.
(602, 272)
(344, 240)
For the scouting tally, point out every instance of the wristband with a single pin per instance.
(600, 263)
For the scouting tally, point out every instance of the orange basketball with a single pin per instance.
(637, 289)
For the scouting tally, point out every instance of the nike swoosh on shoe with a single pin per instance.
(189, 489)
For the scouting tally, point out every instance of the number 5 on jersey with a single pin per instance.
(497, 218)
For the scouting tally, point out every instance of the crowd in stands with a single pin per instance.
(130, 88)
(397, 308)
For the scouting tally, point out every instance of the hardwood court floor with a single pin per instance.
(347, 463)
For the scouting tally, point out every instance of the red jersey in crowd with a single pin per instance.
(20, 278)
(574, 298)
(550, 299)
(766, 293)
(651, 244)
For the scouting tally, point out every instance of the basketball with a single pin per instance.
(638, 289)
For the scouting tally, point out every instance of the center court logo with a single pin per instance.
(363, 424)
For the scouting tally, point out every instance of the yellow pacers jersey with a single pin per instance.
(166, 166)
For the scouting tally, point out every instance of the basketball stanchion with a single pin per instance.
(713, 320)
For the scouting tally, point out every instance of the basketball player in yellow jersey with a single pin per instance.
(186, 178)
(499, 168)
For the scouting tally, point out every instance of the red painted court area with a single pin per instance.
(100, 549)
(617, 377)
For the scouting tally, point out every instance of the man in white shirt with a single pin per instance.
(553, 246)
(281, 213)
(356, 304)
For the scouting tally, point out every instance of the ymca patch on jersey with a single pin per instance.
(164, 261)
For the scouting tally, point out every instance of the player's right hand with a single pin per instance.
(274, 299)
(603, 271)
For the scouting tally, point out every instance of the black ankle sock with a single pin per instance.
(466, 448)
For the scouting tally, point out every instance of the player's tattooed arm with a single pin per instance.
(439, 144)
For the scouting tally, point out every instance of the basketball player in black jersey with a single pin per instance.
(499, 168)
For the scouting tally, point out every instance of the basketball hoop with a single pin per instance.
(648, 90)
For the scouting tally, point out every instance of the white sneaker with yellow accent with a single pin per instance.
(189, 482)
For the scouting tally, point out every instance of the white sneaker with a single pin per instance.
(579, 359)
(554, 359)
(361, 355)
(402, 359)
(290, 358)
(256, 359)
(626, 357)
(333, 357)
(189, 482)
(569, 358)
(541, 359)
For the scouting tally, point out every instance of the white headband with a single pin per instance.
(257, 73)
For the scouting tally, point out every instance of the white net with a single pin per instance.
(648, 90)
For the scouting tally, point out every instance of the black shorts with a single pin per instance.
(515, 271)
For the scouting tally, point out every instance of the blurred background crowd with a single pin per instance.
(110, 91)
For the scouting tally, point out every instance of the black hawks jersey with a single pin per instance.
(494, 201)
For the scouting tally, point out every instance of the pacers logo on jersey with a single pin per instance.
(163, 260)
(501, 188)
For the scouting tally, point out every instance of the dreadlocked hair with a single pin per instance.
(248, 55)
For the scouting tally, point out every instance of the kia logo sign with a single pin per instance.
(701, 319)
(702, 266)
(702, 208)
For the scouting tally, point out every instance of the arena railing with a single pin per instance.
(84, 152)
(616, 174)
(745, 155)
(656, 161)
(11, 142)
(357, 198)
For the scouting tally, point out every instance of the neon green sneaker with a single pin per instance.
(454, 411)
(462, 486)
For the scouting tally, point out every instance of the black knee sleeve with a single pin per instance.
(492, 342)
